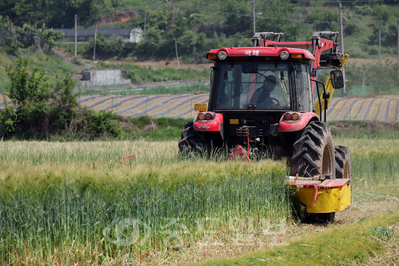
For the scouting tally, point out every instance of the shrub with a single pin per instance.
(40, 109)
(351, 29)
(363, 10)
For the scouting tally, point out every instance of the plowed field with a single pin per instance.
(371, 109)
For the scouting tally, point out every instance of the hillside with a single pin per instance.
(198, 26)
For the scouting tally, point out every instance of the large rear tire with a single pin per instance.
(191, 143)
(314, 152)
(342, 162)
(314, 155)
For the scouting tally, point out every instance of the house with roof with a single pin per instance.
(127, 34)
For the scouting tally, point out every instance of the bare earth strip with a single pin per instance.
(152, 104)
(130, 101)
(172, 104)
(363, 109)
(375, 106)
(393, 110)
(189, 106)
(383, 109)
(336, 109)
(347, 103)
(93, 101)
(110, 101)
(355, 109)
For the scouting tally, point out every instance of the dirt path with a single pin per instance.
(364, 204)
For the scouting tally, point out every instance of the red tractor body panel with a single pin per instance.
(293, 126)
(209, 125)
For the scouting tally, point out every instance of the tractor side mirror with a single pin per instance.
(337, 79)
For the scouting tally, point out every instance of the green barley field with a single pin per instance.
(76, 203)
(67, 203)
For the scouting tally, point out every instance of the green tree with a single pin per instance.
(386, 21)
(49, 35)
(7, 8)
(37, 105)
(40, 109)
(234, 21)
(323, 21)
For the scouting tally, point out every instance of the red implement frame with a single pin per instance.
(320, 46)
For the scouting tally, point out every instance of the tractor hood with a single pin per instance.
(293, 53)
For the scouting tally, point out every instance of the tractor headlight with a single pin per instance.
(222, 55)
(284, 55)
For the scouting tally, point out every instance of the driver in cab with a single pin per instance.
(261, 96)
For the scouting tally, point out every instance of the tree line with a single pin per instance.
(198, 26)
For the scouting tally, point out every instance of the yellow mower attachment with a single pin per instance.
(326, 196)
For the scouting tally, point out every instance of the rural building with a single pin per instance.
(103, 77)
(127, 34)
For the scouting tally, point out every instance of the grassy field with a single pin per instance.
(76, 202)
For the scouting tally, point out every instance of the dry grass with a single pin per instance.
(101, 160)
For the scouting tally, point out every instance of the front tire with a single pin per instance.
(191, 143)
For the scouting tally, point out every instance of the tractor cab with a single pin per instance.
(261, 86)
(261, 96)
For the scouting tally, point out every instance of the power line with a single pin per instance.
(260, 16)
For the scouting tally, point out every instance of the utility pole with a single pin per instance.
(76, 34)
(177, 56)
(341, 33)
(95, 37)
(379, 45)
(364, 84)
(253, 15)
(398, 44)
(145, 21)
(95, 41)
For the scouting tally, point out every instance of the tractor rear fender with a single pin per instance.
(213, 125)
(296, 125)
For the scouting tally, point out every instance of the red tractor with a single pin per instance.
(266, 99)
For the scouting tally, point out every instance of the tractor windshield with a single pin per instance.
(253, 86)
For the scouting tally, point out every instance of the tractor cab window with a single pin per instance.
(253, 86)
(303, 88)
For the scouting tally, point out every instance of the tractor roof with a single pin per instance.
(260, 51)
